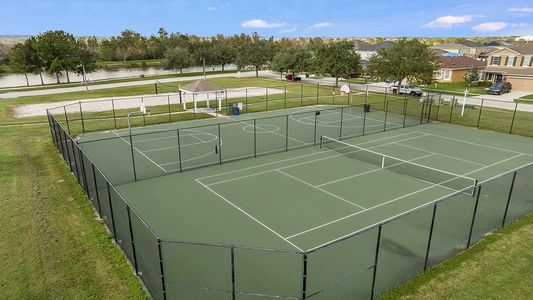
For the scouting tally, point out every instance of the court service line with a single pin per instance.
(250, 216)
(318, 188)
(307, 155)
(141, 153)
(472, 143)
(290, 166)
(394, 200)
(437, 153)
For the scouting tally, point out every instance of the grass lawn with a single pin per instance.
(52, 246)
(457, 88)
(498, 267)
(140, 63)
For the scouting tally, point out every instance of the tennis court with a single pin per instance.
(237, 212)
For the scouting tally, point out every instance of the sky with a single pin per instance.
(287, 18)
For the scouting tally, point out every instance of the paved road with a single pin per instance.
(122, 84)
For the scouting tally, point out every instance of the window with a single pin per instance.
(447, 74)
(496, 60)
(511, 60)
(526, 62)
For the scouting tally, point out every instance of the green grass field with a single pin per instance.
(57, 245)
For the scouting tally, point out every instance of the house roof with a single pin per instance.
(199, 86)
(459, 62)
(509, 71)
(445, 46)
(358, 44)
(376, 47)
(470, 44)
(524, 48)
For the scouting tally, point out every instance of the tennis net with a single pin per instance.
(438, 177)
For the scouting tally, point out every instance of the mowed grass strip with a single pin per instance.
(498, 267)
(52, 246)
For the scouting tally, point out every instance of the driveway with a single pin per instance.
(505, 97)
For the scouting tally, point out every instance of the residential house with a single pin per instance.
(358, 44)
(371, 49)
(454, 68)
(511, 64)
(466, 48)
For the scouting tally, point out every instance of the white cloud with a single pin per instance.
(495, 26)
(521, 10)
(321, 25)
(449, 21)
(258, 23)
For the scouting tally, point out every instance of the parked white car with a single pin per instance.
(406, 89)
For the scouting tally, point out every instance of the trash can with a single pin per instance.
(237, 111)
(366, 108)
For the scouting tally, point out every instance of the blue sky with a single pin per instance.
(290, 18)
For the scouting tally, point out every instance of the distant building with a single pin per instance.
(466, 48)
(370, 50)
(511, 64)
(454, 68)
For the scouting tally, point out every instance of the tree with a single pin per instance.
(22, 59)
(83, 58)
(108, 49)
(57, 51)
(407, 59)
(472, 75)
(336, 59)
(295, 60)
(256, 52)
(177, 58)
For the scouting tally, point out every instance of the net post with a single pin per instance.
(473, 218)
(179, 149)
(480, 110)
(66, 118)
(514, 116)
(96, 190)
(114, 113)
(133, 158)
(169, 113)
(426, 261)
(132, 241)
(340, 127)
(81, 116)
(286, 132)
(376, 257)
(508, 199)
(111, 208)
(452, 105)
(304, 276)
(232, 257)
(219, 145)
(161, 269)
(255, 138)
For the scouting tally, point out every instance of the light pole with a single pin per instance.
(141, 113)
(464, 103)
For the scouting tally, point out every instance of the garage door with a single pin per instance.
(521, 84)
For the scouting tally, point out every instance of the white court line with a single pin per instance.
(471, 143)
(250, 216)
(372, 171)
(282, 135)
(299, 157)
(318, 188)
(194, 136)
(141, 152)
(437, 153)
(393, 200)
(293, 165)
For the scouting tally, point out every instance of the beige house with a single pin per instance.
(514, 65)
(454, 68)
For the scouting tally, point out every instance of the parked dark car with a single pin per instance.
(293, 78)
(499, 88)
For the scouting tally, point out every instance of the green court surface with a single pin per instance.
(300, 199)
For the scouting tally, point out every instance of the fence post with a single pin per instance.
(132, 240)
(317, 91)
(219, 145)
(452, 105)
(133, 159)
(266, 99)
(480, 110)
(246, 98)
(302, 94)
(304, 276)
(509, 199)
(314, 137)
(430, 236)
(161, 269)
(386, 114)
(96, 190)
(422, 112)
(114, 114)
(285, 97)
(81, 116)
(68, 153)
(255, 138)
(66, 118)
(372, 291)
(233, 291)
(155, 85)
(385, 98)
(287, 133)
(179, 149)
(144, 118)
(340, 127)
(514, 115)
(169, 113)
(438, 108)
(366, 94)
(84, 173)
(364, 120)
(111, 209)
(473, 217)
(429, 110)
(404, 110)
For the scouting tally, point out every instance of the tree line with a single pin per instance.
(58, 51)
